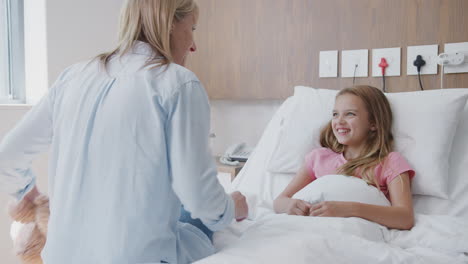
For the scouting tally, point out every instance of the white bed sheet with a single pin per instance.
(282, 238)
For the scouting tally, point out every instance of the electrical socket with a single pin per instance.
(451, 59)
(393, 57)
(454, 48)
(351, 58)
(429, 54)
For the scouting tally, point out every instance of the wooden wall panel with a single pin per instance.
(261, 49)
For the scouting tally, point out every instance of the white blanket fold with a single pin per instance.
(279, 238)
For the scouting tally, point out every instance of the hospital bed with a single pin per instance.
(431, 131)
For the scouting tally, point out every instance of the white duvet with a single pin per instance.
(279, 238)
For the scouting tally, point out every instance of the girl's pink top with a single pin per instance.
(324, 161)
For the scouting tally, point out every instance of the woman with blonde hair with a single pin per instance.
(128, 132)
(357, 142)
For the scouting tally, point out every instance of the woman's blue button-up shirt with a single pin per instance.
(128, 146)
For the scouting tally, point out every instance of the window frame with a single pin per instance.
(15, 53)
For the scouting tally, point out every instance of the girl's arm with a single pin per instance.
(399, 215)
(285, 204)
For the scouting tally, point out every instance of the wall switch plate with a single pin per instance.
(351, 58)
(453, 48)
(328, 64)
(429, 53)
(393, 57)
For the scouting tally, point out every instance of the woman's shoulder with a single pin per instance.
(175, 76)
(177, 73)
(183, 74)
(72, 70)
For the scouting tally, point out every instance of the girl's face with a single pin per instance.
(182, 41)
(350, 121)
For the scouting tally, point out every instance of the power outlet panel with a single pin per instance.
(393, 57)
(453, 48)
(351, 58)
(429, 53)
(328, 64)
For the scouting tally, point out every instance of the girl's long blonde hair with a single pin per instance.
(149, 21)
(379, 142)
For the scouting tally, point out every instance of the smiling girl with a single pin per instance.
(357, 142)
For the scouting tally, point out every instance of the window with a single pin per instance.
(12, 88)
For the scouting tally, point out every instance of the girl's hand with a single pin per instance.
(331, 209)
(298, 207)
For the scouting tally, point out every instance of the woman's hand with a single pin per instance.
(241, 207)
(298, 207)
(32, 194)
(332, 209)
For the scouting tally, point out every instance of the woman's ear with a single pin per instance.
(373, 128)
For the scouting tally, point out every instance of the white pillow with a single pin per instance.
(341, 188)
(457, 205)
(300, 132)
(424, 126)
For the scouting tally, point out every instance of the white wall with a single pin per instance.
(239, 121)
(78, 30)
